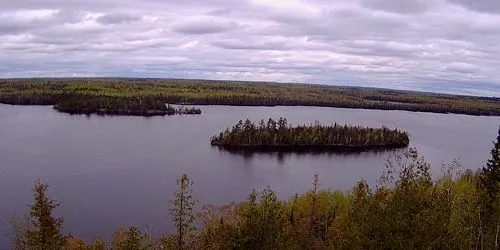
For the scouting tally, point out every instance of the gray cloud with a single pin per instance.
(399, 6)
(439, 45)
(261, 44)
(203, 25)
(461, 67)
(11, 27)
(116, 18)
(491, 6)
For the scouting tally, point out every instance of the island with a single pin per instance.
(112, 105)
(279, 135)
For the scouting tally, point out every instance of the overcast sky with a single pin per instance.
(434, 45)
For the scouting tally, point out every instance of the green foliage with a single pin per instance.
(220, 227)
(19, 236)
(407, 210)
(181, 211)
(98, 244)
(261, 222)
(129, 239)
(280, 135)
(207, 92)
(43, 230)
(490, 187)
(410, 211)
(490, 177)
(113, 105)
(76, 244)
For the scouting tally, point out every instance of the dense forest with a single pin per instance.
(407, 210)
(112, 105)
(280, 135)
(207, 92)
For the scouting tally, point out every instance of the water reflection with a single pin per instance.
(282, 154)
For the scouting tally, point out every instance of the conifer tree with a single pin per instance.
(490, 182)
(181, 210)
(44, 230)
(314, 206)
(490, 177)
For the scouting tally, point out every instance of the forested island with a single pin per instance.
(408, 209)
(112, 105)
(279, 135)
(119, 95)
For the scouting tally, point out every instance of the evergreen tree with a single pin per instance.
(44, 230)
(313, 217)
(181, 210)
(490, 177)
(490, 184)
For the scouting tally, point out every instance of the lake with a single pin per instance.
(113, 171)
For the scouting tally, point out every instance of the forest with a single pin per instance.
(116, 94)
(112, 105)
(280, 135)
(407, 209)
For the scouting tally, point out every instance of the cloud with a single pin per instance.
(116, 18)
(490, 6)
(462, 67)
(24, 20)
(203, 25)
(440, 45)
(399, 6)
(261, 44)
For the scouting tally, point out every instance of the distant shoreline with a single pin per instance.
(144, 97)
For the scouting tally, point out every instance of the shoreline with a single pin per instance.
(127, 92)
(308, 148)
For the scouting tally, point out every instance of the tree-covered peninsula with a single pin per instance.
(112, 105)
(280, 135)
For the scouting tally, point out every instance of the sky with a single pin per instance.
(450, 46)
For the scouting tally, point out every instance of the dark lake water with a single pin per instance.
(110, 172)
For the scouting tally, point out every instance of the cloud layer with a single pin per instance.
(432, 45)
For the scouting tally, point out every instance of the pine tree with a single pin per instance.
(490, 183)
(44, 231)
(490, 177)
(314, 207)
(181, 210)
(134, 239)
